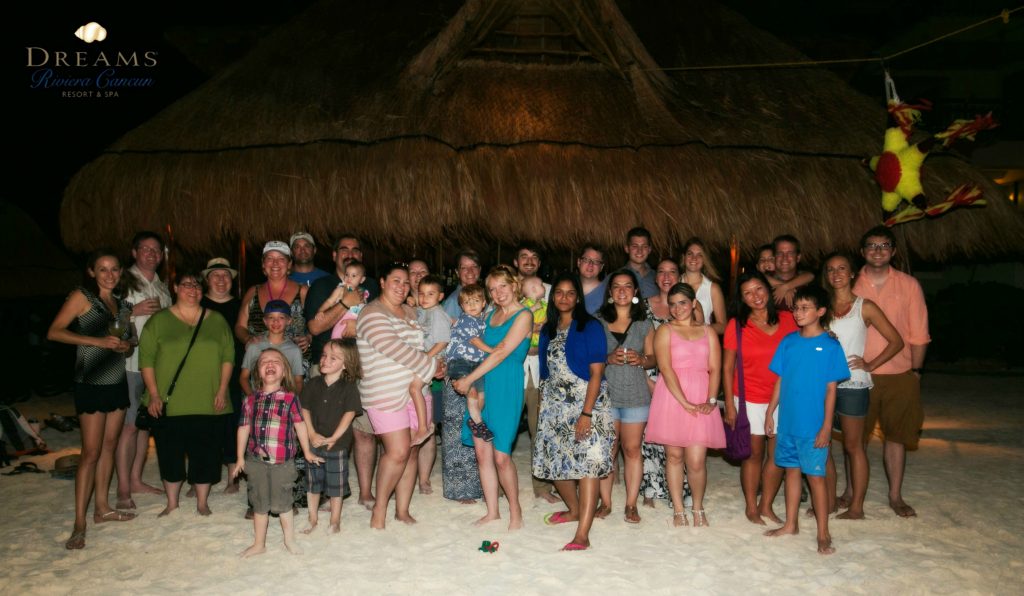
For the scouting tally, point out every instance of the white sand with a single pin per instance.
(965, 482)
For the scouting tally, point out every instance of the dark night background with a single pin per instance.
(55, 136)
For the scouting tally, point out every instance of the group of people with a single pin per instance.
(315, 364)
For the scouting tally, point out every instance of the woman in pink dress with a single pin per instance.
(684, 413)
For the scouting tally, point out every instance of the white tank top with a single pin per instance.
(852, 333)
(703, 292)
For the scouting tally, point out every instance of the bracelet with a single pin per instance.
(587, 414)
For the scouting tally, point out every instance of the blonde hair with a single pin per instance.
(353, 370)
(508, 275)
(287, 381)
(708, 270)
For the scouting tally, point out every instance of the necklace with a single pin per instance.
(841, 312)
(185, 318)
(270, 294)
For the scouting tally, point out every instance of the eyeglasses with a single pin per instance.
(878, 246)
(190, 285)
(586, 261)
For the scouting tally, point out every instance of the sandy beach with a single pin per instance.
(965, 482)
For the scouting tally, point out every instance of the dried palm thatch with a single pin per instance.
(515, 119)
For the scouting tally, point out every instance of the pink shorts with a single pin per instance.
(384, 422)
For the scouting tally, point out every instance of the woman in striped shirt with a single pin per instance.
(390, 343)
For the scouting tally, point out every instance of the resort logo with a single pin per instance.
(78, 72)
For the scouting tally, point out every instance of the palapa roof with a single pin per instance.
(417, 124)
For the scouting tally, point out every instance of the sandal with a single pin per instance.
(699, 518)
(632, 516)
(77, 540)
(575, 546)
(679, 519)
(113, 515)
(25, 467)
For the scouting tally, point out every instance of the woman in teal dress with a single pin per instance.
(508, 331)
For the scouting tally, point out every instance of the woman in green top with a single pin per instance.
(191, 427)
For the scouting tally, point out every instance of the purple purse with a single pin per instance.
(737, 441)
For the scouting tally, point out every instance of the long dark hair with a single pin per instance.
(579, 312)
(636, 312)
(741, 309)
(89, 282)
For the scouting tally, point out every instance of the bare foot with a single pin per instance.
(112, 515)
(426, 489)
(649, 502)
(335, 528)
(467, 501)
(406, 519)
(810, 510)
(191, 491)
(167, 511)
(377, 521)
(125, 503)
(368, 503)
(486, 519)
(252, 551)
(783, 531)
(547, 496)
(292, 547)
(755, 518)
(603, 511)
(902, 509)
(851, 514)
(231, 488)
(771, 516)
(631, 515)
(203, 510)
(515, 524)
(309, 527)
(843, 501)
(141, 488)
(422, 436)
(825, 546)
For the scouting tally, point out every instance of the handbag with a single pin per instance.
(143, 419)
(737, 440)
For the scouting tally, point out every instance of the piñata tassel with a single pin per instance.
(966, 129)
(906, 115)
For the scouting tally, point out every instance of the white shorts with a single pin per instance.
(755, 414)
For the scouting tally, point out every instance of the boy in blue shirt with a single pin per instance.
(810, 363)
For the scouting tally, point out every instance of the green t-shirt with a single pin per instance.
(162, 346)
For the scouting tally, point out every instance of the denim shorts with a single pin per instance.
(631, 415)
(852, 402)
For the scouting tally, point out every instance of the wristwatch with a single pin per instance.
(713, 400)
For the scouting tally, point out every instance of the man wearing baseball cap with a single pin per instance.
(303, 250)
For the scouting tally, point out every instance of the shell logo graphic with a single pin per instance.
(91, 32)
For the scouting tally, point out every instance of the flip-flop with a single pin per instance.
(558, 517)
(113, 515)
(76, 541)
(572, 546)
(25, 467)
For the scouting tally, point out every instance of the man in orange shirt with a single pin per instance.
(895, 402)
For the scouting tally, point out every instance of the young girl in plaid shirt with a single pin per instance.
(271, 421)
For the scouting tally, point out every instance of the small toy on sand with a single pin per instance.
(489, 547)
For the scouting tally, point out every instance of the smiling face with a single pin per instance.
(622, 290)
(693, 258)
(878, 251)
(276, 322)
(638, 248)
(527, 262)
(395, 287)
(838, 272)
(275, 265)
(502, 292)
(680, 307)
(106, 271)
(786, 259)
(766, 261)
(347, 249)
(148, 255)
(271, 367)
(805, 312)
(667, 274)
(590, 264)
(417, 271)
(219, 281)
(332, 360)
(189, 290)
(469, 271)
(754, 294)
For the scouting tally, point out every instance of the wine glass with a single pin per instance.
(116, 327)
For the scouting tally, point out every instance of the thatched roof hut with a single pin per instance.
(417, 124)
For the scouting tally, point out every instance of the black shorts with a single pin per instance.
(199, 438)
(90, 399)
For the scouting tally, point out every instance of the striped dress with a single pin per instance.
(391, 351)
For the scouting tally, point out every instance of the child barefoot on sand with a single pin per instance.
(437, 333)
(466, 351)
(355, 275)
(330, 404)
(809, 363)
(266, 448)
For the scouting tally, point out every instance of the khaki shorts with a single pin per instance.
(895, 406)
(270, 486)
